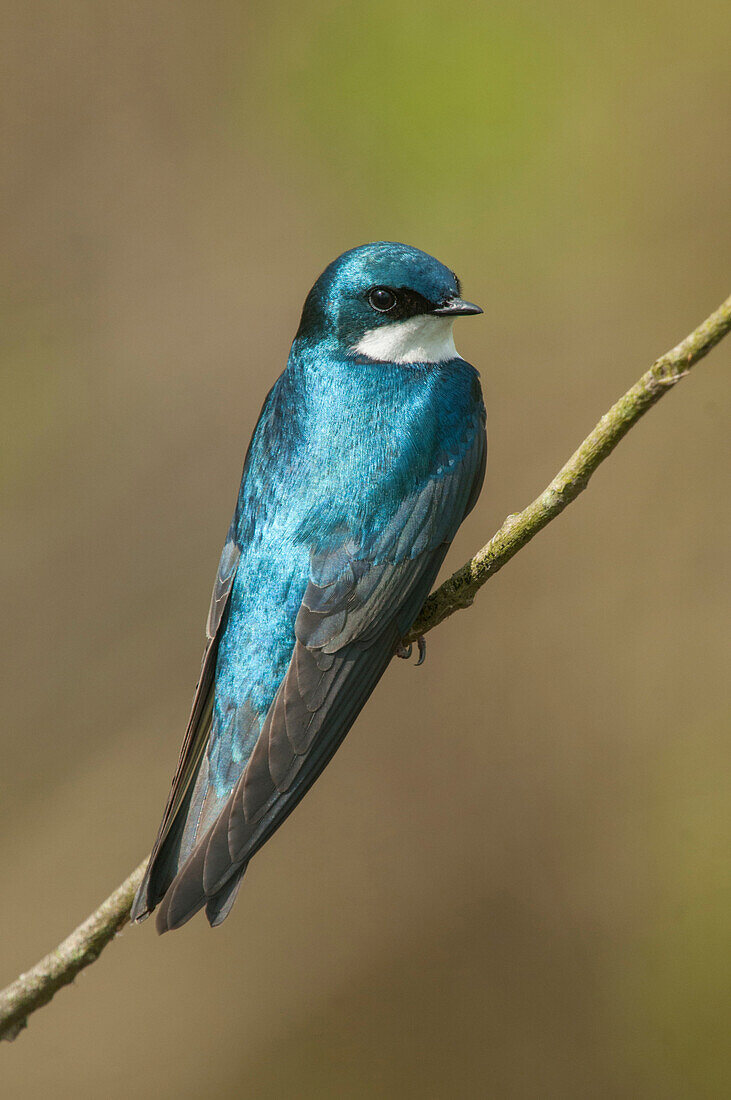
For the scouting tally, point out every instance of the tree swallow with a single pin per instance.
(369, 452)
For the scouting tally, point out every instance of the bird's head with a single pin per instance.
(388, 302)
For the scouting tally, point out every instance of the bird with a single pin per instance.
(369, 452)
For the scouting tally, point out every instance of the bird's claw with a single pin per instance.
(405, 651)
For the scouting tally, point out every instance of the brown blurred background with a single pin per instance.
(513, 880)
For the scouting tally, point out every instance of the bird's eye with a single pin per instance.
(382, 299)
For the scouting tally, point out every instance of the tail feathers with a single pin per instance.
(199, 809)
(164, 865)
(186, 896)
(219, 906)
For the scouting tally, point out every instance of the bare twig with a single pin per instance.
(84, 946)
(36, 987)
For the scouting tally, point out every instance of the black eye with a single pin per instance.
(382, 299)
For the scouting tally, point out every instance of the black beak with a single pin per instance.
(456, 307)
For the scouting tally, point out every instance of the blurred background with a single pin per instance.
(548, 918)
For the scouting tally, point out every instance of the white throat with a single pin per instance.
(423, 339)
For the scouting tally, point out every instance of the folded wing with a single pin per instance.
(165, 858)
(359, 602)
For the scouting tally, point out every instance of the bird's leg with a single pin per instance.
(404, 651)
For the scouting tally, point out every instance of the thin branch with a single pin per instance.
(518, 529)
(36, 988)
(83, 947)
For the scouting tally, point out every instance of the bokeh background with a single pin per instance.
(513, 880)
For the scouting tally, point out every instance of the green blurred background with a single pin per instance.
(548, 914)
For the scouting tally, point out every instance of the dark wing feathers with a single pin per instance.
(257, 807)
(357, 605)
(164, 860)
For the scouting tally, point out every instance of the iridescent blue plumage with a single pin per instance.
(360, 470)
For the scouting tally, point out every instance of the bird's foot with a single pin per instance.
(405, 651)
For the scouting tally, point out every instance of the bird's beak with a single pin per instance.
(456, 307)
